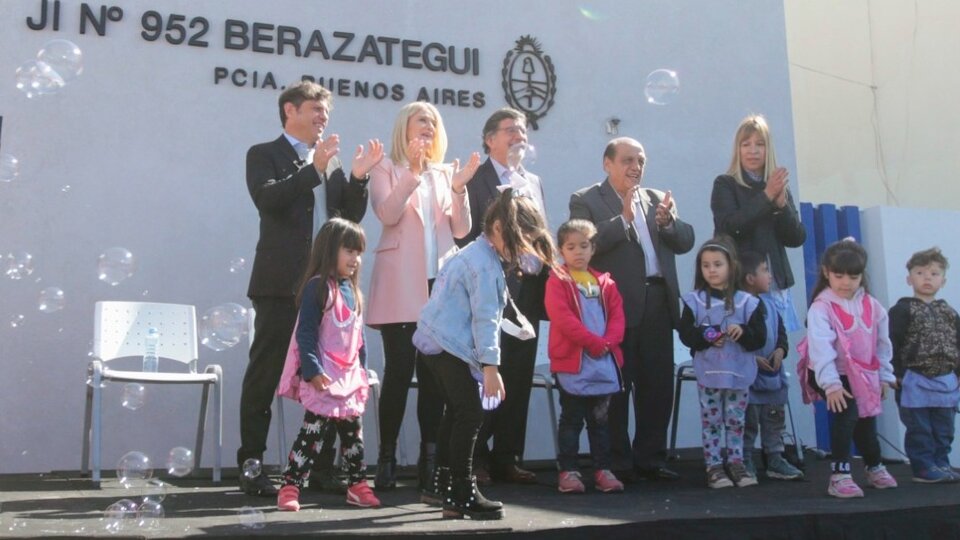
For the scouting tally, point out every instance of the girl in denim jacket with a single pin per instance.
(459, 334)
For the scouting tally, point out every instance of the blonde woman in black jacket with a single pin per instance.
(752, 204)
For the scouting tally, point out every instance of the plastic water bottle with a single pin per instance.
(150, 359)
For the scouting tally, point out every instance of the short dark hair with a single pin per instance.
(927, 257)
(750, 262)
(299, 92)
(493, 123)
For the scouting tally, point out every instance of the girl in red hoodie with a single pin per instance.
(586, 328)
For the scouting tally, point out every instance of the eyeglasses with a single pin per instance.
(514, 130)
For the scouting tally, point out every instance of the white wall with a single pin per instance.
(153, 152)
(876, 121)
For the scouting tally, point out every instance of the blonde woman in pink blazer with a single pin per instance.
(422, 204)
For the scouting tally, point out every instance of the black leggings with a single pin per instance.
(847, 425)
(464, 413)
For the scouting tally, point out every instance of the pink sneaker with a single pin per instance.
(605, 481)
(288, 499)
(843, 487)
(880, 478)
(569, 482)
(361, 495)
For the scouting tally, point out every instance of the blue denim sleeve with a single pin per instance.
(485, 289)
(308, 327)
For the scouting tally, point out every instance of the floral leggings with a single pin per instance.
(722, 410)
(307, 447)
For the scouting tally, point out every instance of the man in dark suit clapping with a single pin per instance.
(296, 185)
(638, 235)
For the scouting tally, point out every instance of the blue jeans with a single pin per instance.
(574, 411)
(928, 437)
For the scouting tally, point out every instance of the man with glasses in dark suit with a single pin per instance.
(504, 140)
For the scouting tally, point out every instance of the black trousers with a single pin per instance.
(400, 360)
(462, 416)
(507, 424)
(273, 327)
(648, 375)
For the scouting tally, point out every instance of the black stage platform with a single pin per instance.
(59, 504)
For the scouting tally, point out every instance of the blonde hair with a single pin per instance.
(754, 123)
(436, 151)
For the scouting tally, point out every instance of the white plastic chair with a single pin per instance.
(119, 330)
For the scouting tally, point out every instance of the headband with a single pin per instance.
(711, 245)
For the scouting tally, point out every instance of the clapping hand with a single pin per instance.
(416, 154)
(663, 213)
(462, 176)
(776, 188)
(364, 161)
(324, 150)
(628, 213)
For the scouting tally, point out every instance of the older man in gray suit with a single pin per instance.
(638, 234)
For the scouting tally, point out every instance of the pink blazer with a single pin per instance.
(398, 287)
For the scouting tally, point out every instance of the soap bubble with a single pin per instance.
(521, 153)
(115, 265)
(223, 326)
(155, 490)
(51, 299)
(180, 461)
(65, 188)
(63, 57)
(252, 468)
(35, 78)
(134, 468)
(250, 517)
(592, 14)
(662, 86)
(149, 514)
(19, 264)
(133, 396)
(9, 168)
(16, 320)
(118, 515)
(237, 265)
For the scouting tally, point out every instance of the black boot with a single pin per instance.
(426, 465)
(386, 478)
(435, 492)
(465, 500)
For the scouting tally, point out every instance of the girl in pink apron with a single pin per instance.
(324, 369)
(845, 359)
